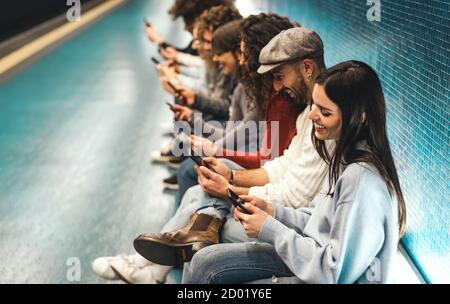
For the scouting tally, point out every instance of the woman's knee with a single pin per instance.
(205, 264)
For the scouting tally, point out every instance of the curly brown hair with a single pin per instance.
(190, 10)
(256, 33)
(215, 17)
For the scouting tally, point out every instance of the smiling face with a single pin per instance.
(227, 61)
(325, 114)
(292, 82)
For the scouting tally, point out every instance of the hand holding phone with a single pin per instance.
(147, 23)
(170, 106)
(198, 160)
(237, 202)
(178, 92)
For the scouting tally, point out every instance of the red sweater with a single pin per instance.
(279, 109)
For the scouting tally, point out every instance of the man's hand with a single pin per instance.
(169, 53)
(188, 95)
(182, 113)
(218, 167)
(165, 84)
(184, 93)
(203, 146)
(260, 203)
(212, 183)
(167, 69)
(253, 222)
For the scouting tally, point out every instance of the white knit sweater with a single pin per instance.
(297, 176)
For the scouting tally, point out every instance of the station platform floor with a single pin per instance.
(76, 132)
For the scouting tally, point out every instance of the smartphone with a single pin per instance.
(147, 23)
(178, 92)
(237, 202)
(179, 96)
(170, 105)
(199, 161)
(164, 45)
(156, 61)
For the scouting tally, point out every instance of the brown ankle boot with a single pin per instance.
(175, 248)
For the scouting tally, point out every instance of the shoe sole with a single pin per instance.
(172, 165)
(120, 276)
(173, 187)
(165, 254)
(161, 159)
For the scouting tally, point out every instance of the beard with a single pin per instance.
(299, 92)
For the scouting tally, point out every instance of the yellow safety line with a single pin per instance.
(48, 39)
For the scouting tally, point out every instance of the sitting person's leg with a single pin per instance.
(193, 199)
(233, 232)
(235, 263)
(188, 231)
(184, 234)
(187, 177)
(136, 269)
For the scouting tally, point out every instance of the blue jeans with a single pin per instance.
(192, 201)
(237, 263)
(187, 177)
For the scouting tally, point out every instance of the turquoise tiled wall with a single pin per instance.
(409, 48)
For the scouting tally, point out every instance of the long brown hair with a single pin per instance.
(356, 89)
(225, 38)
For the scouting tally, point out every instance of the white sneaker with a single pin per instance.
(160, 157)
(102, 266)
(135, 274)
(166, 128)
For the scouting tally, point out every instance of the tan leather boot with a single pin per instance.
(175, 248)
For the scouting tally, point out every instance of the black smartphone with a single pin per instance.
(170, 105)
(156, 61)
(178, 92)
(147, 23)
(198, 160)
(164, 45)
(237, 202)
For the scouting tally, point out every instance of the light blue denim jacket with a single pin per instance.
(351, 237)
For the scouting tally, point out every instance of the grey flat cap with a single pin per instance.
(294, 43)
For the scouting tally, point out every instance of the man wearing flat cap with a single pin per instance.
(295, 58)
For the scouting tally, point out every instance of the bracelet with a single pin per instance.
(231, 177)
